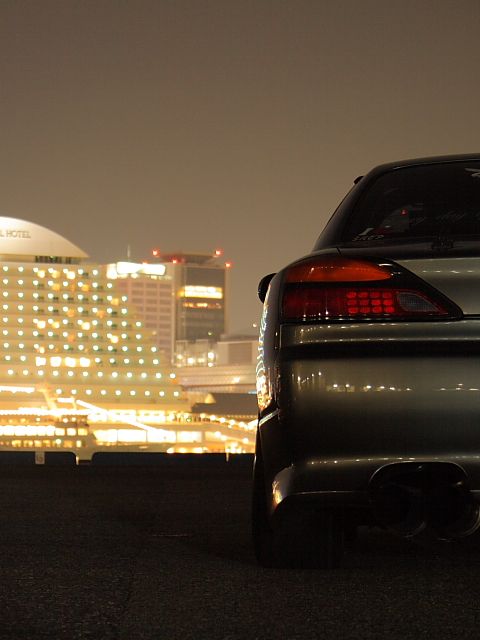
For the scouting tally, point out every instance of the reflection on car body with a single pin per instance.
(368, 376)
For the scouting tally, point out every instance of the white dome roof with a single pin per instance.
(22, 238)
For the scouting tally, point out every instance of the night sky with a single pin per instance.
(234, 124)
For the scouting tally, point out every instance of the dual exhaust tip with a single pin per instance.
(412, 498)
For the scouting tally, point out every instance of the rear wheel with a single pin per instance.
(301, 539)
(262, 532)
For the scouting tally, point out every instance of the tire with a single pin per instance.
(262, 532)
(303, 539)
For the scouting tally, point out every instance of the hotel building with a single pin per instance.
(78, 367)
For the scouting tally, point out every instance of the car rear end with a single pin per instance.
(369, 368)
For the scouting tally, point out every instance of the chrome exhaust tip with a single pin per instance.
(410, 498)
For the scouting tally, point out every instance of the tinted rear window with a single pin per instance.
(439, 200)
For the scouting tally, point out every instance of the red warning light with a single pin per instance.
(228, 265)
(155, 253)
(218, 252)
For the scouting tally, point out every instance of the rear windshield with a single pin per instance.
(430, 201)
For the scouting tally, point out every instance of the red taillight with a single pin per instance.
(337, 269)
(333, 288)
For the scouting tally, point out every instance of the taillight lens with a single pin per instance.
(336, 288)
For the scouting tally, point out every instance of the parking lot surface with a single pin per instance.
(126, 552)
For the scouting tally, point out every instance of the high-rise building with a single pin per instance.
(182, 298)
(76, 357)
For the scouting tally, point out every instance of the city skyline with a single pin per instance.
(199, 125)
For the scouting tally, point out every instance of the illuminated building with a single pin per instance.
(74, 356)
(149, 289)
(182, 299)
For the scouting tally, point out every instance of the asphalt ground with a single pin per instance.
(126, 553)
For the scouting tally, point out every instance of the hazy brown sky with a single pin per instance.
(214, 123)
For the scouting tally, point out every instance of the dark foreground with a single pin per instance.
(126, 553)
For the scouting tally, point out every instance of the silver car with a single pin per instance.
(368, 377)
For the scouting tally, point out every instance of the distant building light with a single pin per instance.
(199, 291)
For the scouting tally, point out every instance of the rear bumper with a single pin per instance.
(353, 399)
(346, 484)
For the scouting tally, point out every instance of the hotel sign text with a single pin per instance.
(14, 233)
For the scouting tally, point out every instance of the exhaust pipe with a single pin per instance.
(410, 498)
